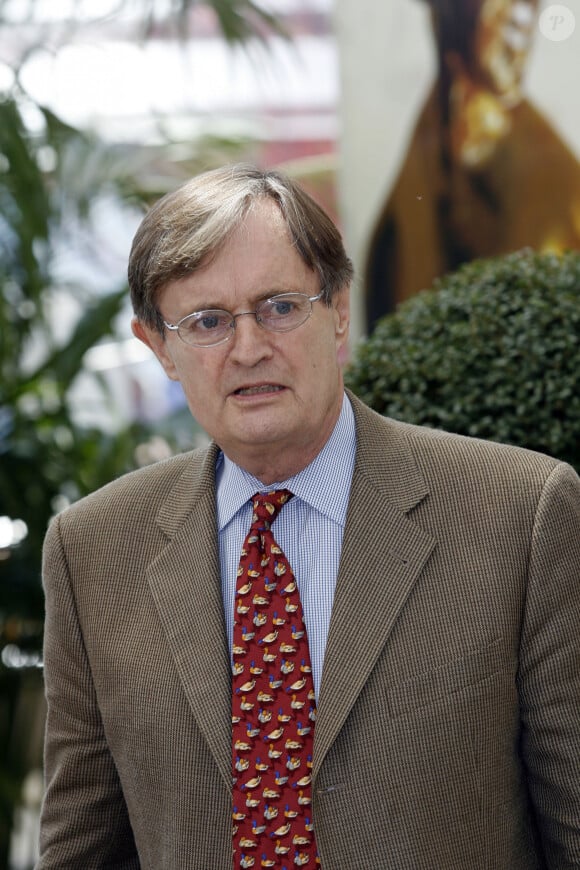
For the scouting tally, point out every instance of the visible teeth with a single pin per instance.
(251, 391)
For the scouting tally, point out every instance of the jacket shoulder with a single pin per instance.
(145, 490)
(441, 441)
(404, 452)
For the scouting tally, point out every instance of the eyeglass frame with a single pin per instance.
(174, 327)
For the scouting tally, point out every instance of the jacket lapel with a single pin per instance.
(383, 554)
(184, 580)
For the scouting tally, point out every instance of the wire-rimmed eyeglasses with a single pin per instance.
(280, 313)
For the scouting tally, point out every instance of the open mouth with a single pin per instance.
(254, 391)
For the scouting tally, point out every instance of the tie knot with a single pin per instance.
(267, 506)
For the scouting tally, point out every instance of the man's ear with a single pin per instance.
(156, 342)
(342, 310)
(342, 322)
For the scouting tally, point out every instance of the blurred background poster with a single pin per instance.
(472, 146)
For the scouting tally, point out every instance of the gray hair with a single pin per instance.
(187, 227)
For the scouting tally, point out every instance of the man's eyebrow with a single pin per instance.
(255, 300)
(273, 292)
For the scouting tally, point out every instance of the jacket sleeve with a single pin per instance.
(549, 673)
(84, 821)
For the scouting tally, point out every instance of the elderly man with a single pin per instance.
(327, 640)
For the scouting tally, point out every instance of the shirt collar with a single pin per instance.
(324, 484)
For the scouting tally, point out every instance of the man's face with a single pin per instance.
(270, 400)
(502, 43)
(491, 37)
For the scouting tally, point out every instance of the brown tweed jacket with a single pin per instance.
(448, 733)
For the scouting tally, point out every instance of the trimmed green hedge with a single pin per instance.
(492, 351)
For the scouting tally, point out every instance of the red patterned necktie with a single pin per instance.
(273, 705)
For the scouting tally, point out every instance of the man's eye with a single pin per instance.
(282, 307)
(209, 322)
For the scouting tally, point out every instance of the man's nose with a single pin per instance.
(250, 342)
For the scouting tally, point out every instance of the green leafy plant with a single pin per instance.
(492, 351)
(46, 457)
